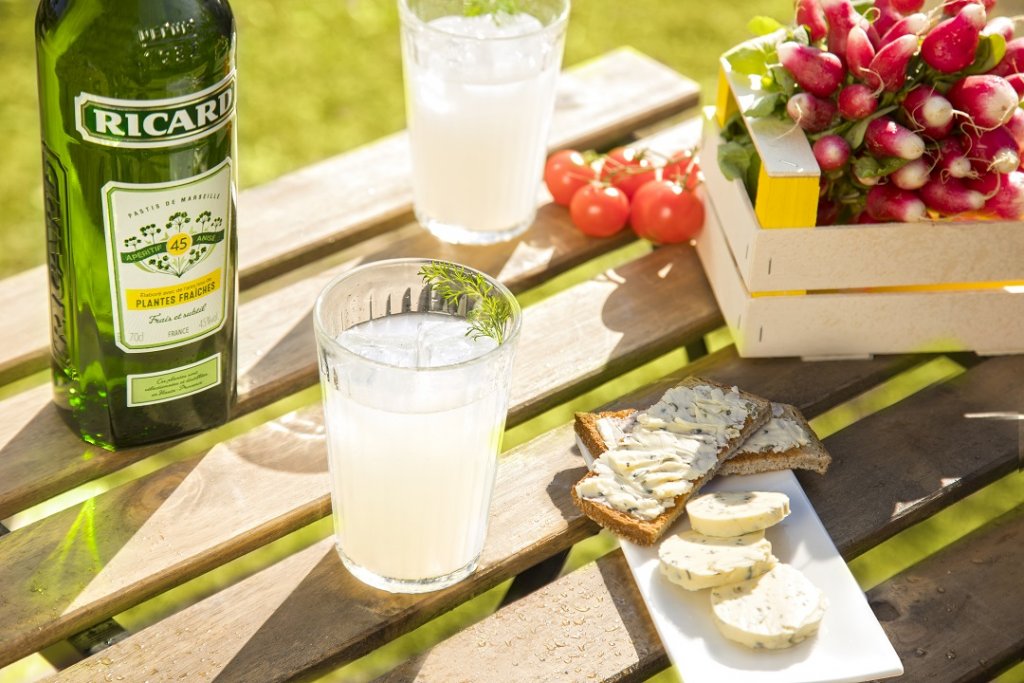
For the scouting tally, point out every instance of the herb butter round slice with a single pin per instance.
(732, 513)
(775, 610)
(695, 561)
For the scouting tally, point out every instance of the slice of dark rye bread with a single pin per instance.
(647, 531)
(811, 456)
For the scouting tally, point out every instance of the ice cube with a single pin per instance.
(444, 341)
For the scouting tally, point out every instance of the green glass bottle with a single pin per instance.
(137, 109)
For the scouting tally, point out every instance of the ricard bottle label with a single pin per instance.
(155, 123)
(166, 242)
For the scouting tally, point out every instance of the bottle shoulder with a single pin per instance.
(136, 48)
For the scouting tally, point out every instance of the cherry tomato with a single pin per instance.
(565, 173)
(599, 210)
(683, 164)
(624, 168)
(665, 212)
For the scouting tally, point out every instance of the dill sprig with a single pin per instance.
(488, 313)
(475, 8)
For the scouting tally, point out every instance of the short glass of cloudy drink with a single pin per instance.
(415, 364)
(480, 82)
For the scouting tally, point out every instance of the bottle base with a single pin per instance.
(410, 586)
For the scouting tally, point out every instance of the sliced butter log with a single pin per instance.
(731, 513)
(695, 561)
(647, 531)
(773, 611)
(786, 442)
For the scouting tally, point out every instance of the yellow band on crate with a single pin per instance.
(1011, 286)
(725, 103)
(786, 201)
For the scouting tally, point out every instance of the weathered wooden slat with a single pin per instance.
(589, 626)
(80, 565)
(532, 518)
(923, 444)
(956, 616)
(919, 456)
(959, 614)
(333, 204)
(40, 457)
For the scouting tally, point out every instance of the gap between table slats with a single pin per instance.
(88, 562)
(335, 203)
(903, 464)
(284, 620)
(40, 457)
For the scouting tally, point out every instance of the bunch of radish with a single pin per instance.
(912, 115)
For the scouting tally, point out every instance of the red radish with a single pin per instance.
(1017, 82)
(888, 203)
(952, 161)
(1013, 61)
(810, 14)
(885, 137)
(950, 46)
(954, 6)
(811, 113)
(992, 150)
(912, 24)
(857, 102)
(888, 16)
(831, 152)
(986, 100)
(906, 6)
(950, 196)
(828, 213)
(818, 72)
(859, 53)
(1005, 194)
(864, 218)
(911, 176)
(928, 111)
(1015, 126)
(1001, 25)
(889, 67)
(841, 17)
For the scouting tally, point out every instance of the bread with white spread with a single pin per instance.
(785, 442)
(648, 464)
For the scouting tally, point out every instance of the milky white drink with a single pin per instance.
(414, 410)
(480, 95)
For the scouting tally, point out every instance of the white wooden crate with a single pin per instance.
(859, 290)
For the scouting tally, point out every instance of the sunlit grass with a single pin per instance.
(24, 384)
(31, 668)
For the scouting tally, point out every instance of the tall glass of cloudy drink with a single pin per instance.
(480, 90)
(415, 363)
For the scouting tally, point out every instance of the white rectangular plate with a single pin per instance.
(850, 644)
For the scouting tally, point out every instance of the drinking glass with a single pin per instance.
(414, 407)
(479, 93)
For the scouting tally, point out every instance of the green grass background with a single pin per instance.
(319, 78)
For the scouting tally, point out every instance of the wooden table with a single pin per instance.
(128, 526)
